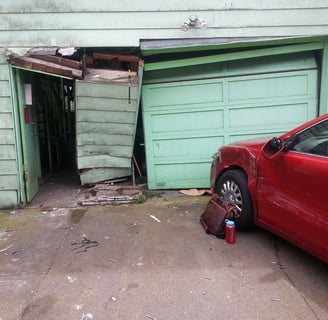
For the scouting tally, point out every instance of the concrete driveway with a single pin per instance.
(119, 262)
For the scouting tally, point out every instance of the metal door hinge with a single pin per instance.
(25, 174)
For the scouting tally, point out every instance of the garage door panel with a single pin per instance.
(185, 93)
(186, 121)
(262, 116)
(264, 133)
(182, 175)
(266, 87)
(196, 148)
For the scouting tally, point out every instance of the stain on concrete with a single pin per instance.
(77, 215)
(39, 308)
(133, 228)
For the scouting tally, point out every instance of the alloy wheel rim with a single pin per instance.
(231, 193)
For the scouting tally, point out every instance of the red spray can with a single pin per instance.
(230, 232)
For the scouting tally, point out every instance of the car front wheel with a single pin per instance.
(232, 187)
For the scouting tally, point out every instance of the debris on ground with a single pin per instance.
(195, 192)
(87, 316)
(83, 245)
(155, 218)
(102, 194)
(6, 248)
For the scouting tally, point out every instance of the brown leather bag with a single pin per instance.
(215, 214)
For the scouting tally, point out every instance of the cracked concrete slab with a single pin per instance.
(145, 268)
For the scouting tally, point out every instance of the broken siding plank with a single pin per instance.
(116, 151)
(104, 139)
(105, 90)
(104, 128)
(107, 75)
(102, 174)
(103, 161)
(110, 104)
(106, 116)
(105, 134)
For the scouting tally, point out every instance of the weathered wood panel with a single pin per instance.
(9, 182)
(143, 20)
(87, 23)
(114, 128)
(8, 198)
(27, 6)
(8, 156)
(97, 116)
(6, 120)
(116, 151)
(106, 116)
(5, 104)
(7, 136)
(98, 174)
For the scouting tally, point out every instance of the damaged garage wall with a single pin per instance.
(106, 116)
(102, 115)
(107, 100)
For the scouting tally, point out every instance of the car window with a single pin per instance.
(313, 140)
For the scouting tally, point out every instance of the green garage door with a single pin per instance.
(189, 113)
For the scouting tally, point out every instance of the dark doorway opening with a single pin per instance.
(56, 125)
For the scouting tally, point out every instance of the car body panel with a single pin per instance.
(288, 188)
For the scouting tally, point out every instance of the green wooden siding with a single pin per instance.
(86, 23)
(186, 121)
(8, 156)
(105, 129)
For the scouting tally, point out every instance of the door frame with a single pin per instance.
(21, 194)
(15, 82)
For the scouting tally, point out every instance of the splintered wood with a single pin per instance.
(102, 194)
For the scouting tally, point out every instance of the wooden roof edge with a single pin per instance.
(59, 60)
(45, 66)
(110, 56)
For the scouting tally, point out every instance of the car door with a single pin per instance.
(292, 186)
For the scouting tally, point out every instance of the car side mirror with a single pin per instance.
(272, 147)
(275, 143)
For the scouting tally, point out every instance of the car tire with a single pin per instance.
(232, 186)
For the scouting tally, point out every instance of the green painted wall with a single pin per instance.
(8, 165)
(84, 23)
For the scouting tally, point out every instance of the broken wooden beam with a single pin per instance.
(59, 60)
(45, 66)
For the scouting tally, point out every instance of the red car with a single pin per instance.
(280, 184)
